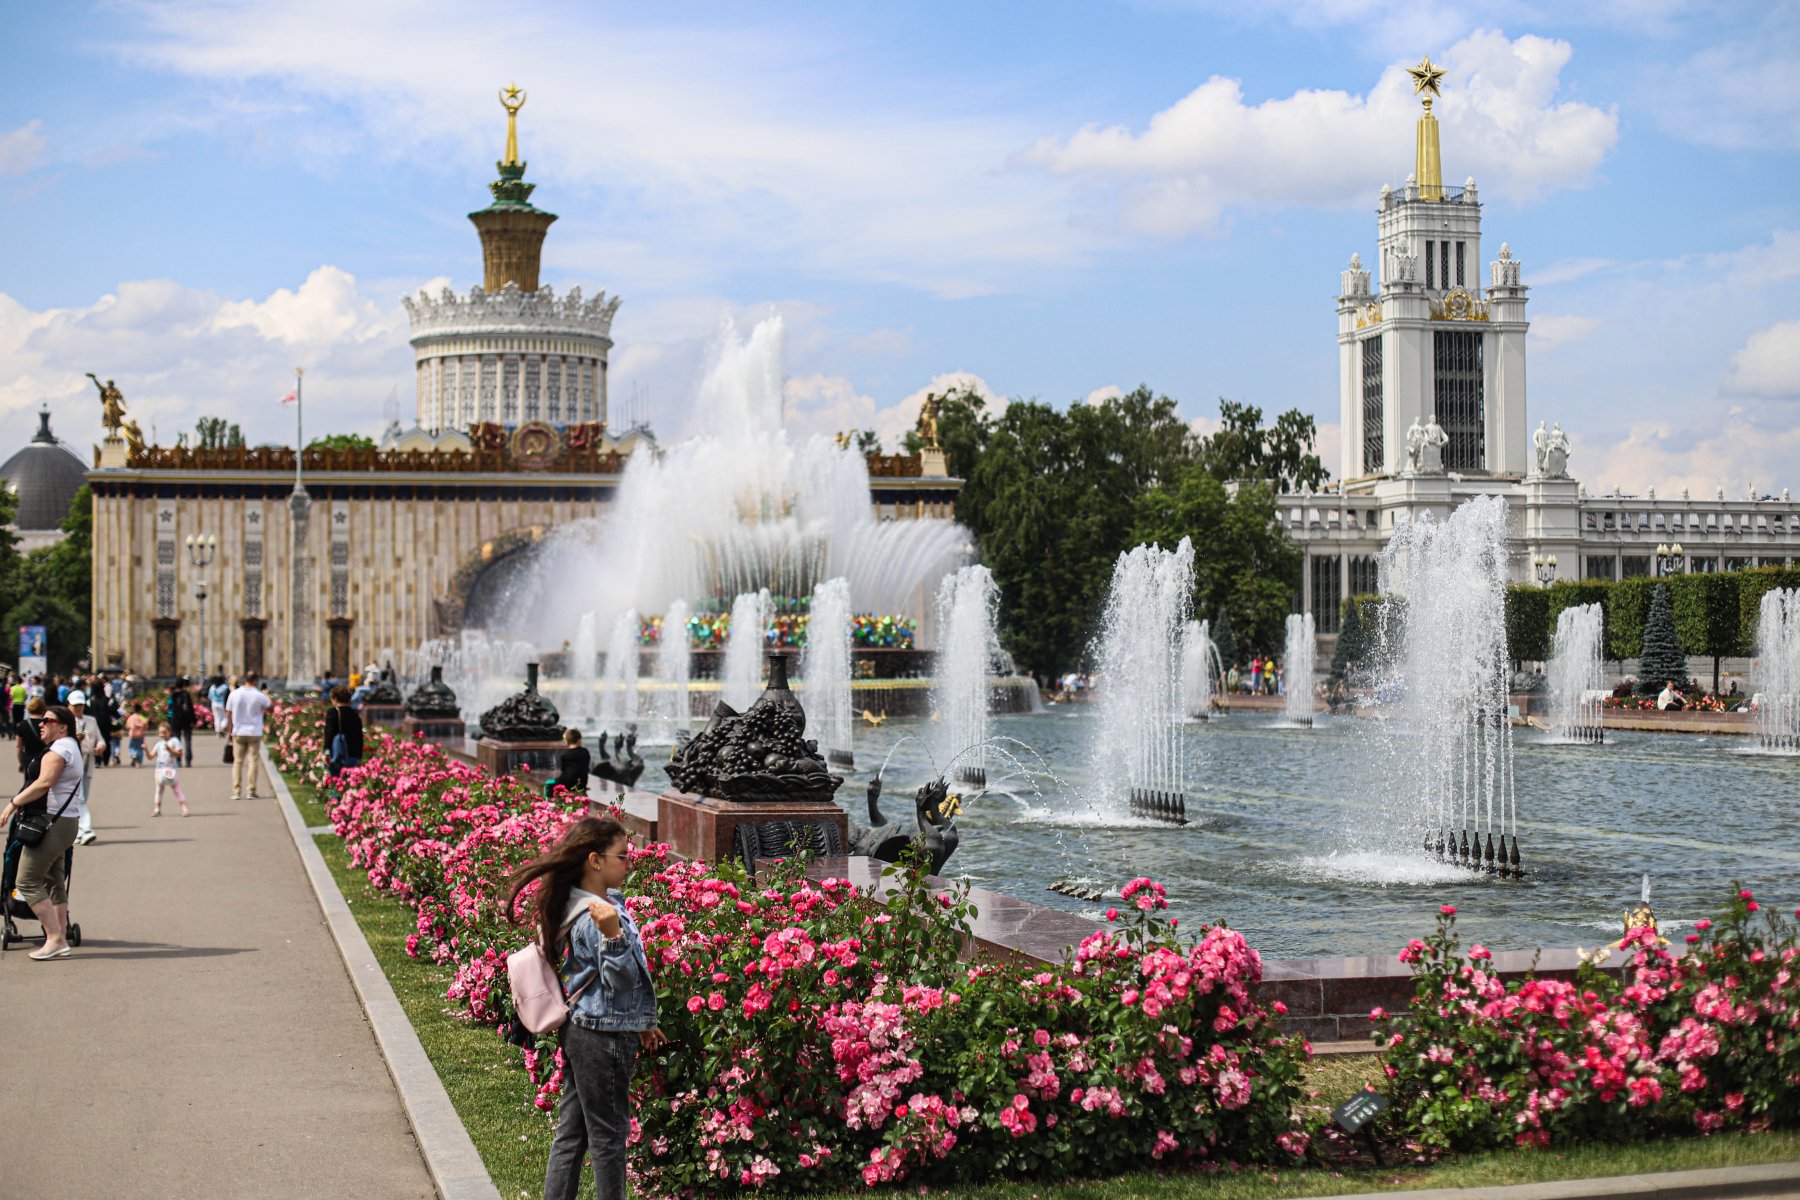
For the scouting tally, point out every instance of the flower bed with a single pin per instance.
(1704, 1041)
(821, 1036)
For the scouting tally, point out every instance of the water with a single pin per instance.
(1577, 675)
(742, 673)
(1297, 663)
(1200, 668)
(827, 671)
(1445, 758)
(1778, 671)
(967, 606)
(1267, 852)
(582, 705)
(671, 701)
(1140, 666)
(482, 671)
(619, 690)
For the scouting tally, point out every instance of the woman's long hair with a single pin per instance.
(560, 869)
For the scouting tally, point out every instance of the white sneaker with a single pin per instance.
(82, 839)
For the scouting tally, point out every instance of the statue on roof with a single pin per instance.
(134, 437)
(928, 422)
(112, 404)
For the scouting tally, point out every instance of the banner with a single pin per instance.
(32, 660)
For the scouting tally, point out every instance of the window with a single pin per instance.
(1444, 250)
(1459, 398)
(1365, 575)
(1430, 263)
(1459, 264)
(1656, 522)
(1599, 568)
(1326, 592)
(1739, 564)
(1607, 521)
(1703, 566)
(1636, 566)
(1372, 461)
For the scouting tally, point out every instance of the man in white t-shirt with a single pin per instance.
(245, 708)
(87, 734)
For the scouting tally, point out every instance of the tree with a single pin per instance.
(1224, 637)
(216, 433)
(1707, 618)
(342, 441)
(868, 442)
(1660, 659)
(1527, 623)
(1346, 656)
(963, 424)
(53, 585)
(1281, 454)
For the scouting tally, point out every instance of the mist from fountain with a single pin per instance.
(1138, 742)
(1200, 669)
(582, 707)
(482, 671)
(967, 614)
(741, 676)
(827, 670)
(1577, 675)
(1778, 671)
(619, 688)
(1441, 656)
(1298, 661)
(671, 712)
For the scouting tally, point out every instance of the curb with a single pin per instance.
(450, 1156)
(1713, 1183)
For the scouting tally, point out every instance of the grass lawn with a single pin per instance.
(486, 1082)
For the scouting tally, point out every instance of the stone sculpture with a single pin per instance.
(934, 812)
(526, 717)
(1425, 448)
(623, 765)
(760, 754)
(385, 692)
(433, 700)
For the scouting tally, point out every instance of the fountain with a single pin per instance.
(674, 667)
(1442, 644)
(1577, 678)
(481, 671)
(1200, 669)
(1297, 663)
(583, 668)
(742, 672)
(966, 606)
(1139, 741)
(828, 670)
(619, 694)
(1778, 671)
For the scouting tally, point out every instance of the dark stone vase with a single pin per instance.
(758, 755)
(433, 700)
(526, 717)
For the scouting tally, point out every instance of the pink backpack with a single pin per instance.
(536, 991)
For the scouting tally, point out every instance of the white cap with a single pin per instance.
(78, 698)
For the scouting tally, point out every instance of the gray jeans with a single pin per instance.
(596, 1113)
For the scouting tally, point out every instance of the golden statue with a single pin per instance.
(112, 404)
(512, 99)
(842, 439)
(928, 422)
(134, 438)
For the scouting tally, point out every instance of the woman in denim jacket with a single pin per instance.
(612, 1017)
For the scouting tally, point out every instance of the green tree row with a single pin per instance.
(52, 586)
(1054, 496)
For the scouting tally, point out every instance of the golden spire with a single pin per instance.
(1429, 170)
(512, 100)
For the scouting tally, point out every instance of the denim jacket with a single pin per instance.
(622, 999)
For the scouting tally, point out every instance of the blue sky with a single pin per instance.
(1051, 199)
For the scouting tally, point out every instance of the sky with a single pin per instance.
(1045, 200)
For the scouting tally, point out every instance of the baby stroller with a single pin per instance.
(13, 909)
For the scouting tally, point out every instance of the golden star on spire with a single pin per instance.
(1426, 76)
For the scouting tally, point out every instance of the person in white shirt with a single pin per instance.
(87, 734)
(43, 882)
(1669, 698)
(246, 707)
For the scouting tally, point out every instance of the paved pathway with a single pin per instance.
(204, 1041)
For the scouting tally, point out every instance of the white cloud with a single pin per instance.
(1769, 363)
(1211, 151)
(1735, 454)
(1101, 395)
(826, 405)
(22, 149)
(1551, 330)
(1737, 94)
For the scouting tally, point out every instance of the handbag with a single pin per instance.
(230, 754)
(31, 828)
(339, 755)
(537, 993)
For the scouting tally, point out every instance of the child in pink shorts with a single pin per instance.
(168, 768)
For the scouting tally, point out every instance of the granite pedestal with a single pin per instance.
(705, 829)
(388, 715)
(434, 729)
(508, 758)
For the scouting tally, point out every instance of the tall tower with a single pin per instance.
(1433, 346)
(511, 352)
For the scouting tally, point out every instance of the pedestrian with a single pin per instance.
(180, 715)
(105, 716)
(573, 764)
(246, 707)
(31, 747)
(343, 734)
(87, 735)
(18, 700)
(168, 768)
(582, 924)
(43, 882)
(135, 724)
(215, 698)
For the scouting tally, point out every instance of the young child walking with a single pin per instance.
(135, 724)
(168, 768)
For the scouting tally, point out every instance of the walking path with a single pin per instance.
(204, 1040)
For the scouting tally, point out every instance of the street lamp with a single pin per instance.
(200, 552)
(1545, 566)
(1669, 559)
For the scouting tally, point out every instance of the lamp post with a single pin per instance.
(1669, 559)
(1545, 567)
(200, 550)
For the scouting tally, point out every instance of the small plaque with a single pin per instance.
(1359, 1109)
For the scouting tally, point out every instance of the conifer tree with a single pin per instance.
(1347, 655)
(1224, 639)
(1660, 659)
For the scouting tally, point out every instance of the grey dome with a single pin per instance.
(45, 476)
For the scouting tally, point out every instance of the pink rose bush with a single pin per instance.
(1703, 1041)
(822, 1036)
